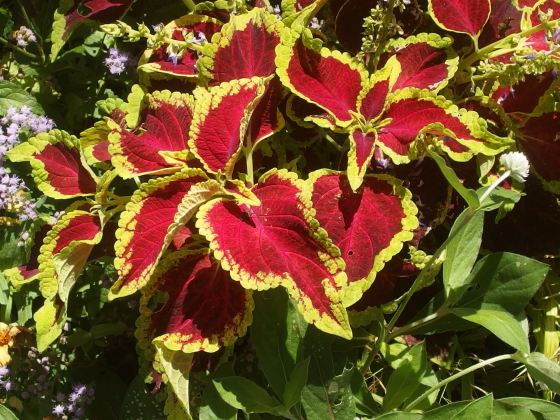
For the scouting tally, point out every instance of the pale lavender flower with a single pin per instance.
(118, 61)
(58, 409)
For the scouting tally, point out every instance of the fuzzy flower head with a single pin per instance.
(517, 164)
(23, 36)
(118, 61)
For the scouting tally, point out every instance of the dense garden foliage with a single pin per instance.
(261, 209)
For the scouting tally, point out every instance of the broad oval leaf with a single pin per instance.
(425, 61)
(315, 73)
(156, 212)
(160, 144)
(369, 226)
(277, 244)
(466, 16)
(57, 165)
(413, 112)
(66, 249)
(221, 119)
(244, 48)
(205, 308)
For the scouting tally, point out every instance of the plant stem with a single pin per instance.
(36, 33)
(384, 29)
(413, 325)
(18, 49)
(494, 185)
(456, 376)
(190, 4)
(479, 55)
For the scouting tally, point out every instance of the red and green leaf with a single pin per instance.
(155, 64)
(68, 17)
(425, 61)
(315, 74)
(540, 140)
(160, 144)
(156, 212)
(307, 114)
(66, 249)
(57, 163)
(277, 244)
(413, 113)
(221, 120)
(205, 309)
(267, 118)
(362, 146)
(466, 16)
(95, 142)
(369, 226)
(244, 48)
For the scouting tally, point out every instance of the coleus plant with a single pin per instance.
(258, 147)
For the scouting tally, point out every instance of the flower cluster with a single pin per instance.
(16, 121)
(13, 197)
(118, 61)
(23, 36)
(74, 404)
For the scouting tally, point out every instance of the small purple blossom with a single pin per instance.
(58, 409)
(23, 36)
(60, 397)
(4, 371)
(118, 61)
(79, 389)
(8, 385)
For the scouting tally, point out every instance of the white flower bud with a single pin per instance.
(517, 164)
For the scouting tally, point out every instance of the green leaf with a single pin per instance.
(501, 324)
(480, 409)
(78, 338)
(246, 395)
(213, 407)
(549, 409)
(176, 365)
(543, 369)
(445, 412)
(6, 413)
(461, 254)
(298, 379)
(277, 333)
(6, 22)
(498, 197)
(50, 319)
(11, 95)
(503, 411)
(505, 282)
(468, 195)
(103, 330)
(405, 379)
(139, 403)
(399, 415)
(365, 404)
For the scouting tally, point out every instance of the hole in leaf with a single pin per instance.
(350, 252)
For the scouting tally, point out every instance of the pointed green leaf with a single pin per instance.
(298, 379)
(175, 367)
(543, 369)
(213, 406)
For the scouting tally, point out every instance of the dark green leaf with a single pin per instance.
(365, 404)
(405, 379)
(6, 22)
(501, 324)
(503, 411)
(498, 197)
(277, 333)
(78, 338)
(543, 369)
(213, 407)
(140, 404)
(547, 408)
(298, 379)
(461, 254)
(11, 95)
(480, 409)
(246, 395)
(103, 330)
(469, 195)
(399, 415)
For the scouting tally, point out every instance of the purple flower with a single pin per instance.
(118, 61)
(58, 409)
(60, 397)
(79, 389)
(4, 371)
(8, 385)
(73, 397)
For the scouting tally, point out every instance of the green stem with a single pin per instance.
(248, 152)
(456, 376)
(413, 325)
(381, 40)
(35, 31)
(333, 142)
(425, 270)
(18, 49)
(189, 45)
(190, 4)
(479, 55)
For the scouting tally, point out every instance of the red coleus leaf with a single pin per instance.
(423, 62)
(103, 11)
(467, 16)
(504, 20)
(57, 164)
(266, 118)
(156, 212)
(243, 49)
(157, 64)
(315, 75)
(160, 144)
(65, 251)
(302, 112)
(369, 226)
(384, 290)
(540, 140)
(221, 120)
(525, 96)
(276, 244)
(205, 309)
(360, 154)
(412, 115)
